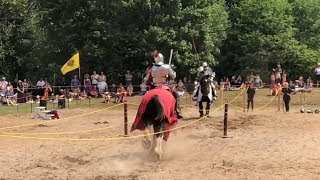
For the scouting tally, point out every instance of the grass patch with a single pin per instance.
(309, 100)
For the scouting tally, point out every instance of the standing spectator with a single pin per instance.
(258, 81)
(273, 79)
(317, 72)
(75, 85)
(87, 84)
(128, 77)
(286, 91)
(41, 83)
(278, 74)
(94, 78)
(4, 85)
(21, 98)
(250, 92)
(102, 84)
(284, 76)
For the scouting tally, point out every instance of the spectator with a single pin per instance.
(107, 97)
(143, 88)
(258, 81)
(286, 91)
(94, 91)
(21, 98)
(284, 76)
(102, 84)
(4, 85)
(278, 73)
(94, 79)
(87, 84)
(130, 89)
(128, 77)
(75, 85)
(41, 83)
(250, 92)
(180, 88)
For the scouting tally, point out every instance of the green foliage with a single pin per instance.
(234, 36)
(307, 22)
(261, 36)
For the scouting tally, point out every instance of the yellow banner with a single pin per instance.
(72, 64)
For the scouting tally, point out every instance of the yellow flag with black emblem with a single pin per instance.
(72, 64)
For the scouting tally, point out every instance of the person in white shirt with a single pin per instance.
(129, 78)
(94, 79)
(317, 73)
(41, 83)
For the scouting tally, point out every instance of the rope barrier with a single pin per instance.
(74, 132)
(105, 138)
(59, 120)
(262, 107)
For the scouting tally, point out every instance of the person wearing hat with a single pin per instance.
(317, 72)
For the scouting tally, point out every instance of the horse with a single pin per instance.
(157, 110)
(205, 92)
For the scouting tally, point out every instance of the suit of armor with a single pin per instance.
(160, 74)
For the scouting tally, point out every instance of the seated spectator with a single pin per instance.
(107, 97)
(113, 90)
(83, 95)
(143, 88)
(121, 94)
(94, 92)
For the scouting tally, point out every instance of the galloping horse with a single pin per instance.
(205, 92)
(156, 109)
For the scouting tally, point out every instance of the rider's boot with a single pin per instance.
(177, 106)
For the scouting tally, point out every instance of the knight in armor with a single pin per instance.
(161, 74)
(204, 88)
(203, 70)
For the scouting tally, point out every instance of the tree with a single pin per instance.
(262, 35)
(307, 22)
(119, 35)
(17, 37)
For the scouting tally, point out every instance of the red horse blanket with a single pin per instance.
(169, 106)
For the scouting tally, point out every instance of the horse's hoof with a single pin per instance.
(146, 143)
(157, 156)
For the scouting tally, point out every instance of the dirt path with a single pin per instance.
(262, 145)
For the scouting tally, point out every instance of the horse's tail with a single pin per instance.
(160, 114)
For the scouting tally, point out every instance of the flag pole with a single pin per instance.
(79, 68)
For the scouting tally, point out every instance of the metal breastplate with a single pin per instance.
(160, 73)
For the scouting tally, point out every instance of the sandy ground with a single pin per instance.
(261, 145)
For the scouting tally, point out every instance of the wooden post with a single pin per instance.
(125, 118)
(244, 99)
(31, 102)
(279, 101)
(222, 96)
(225, 121)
